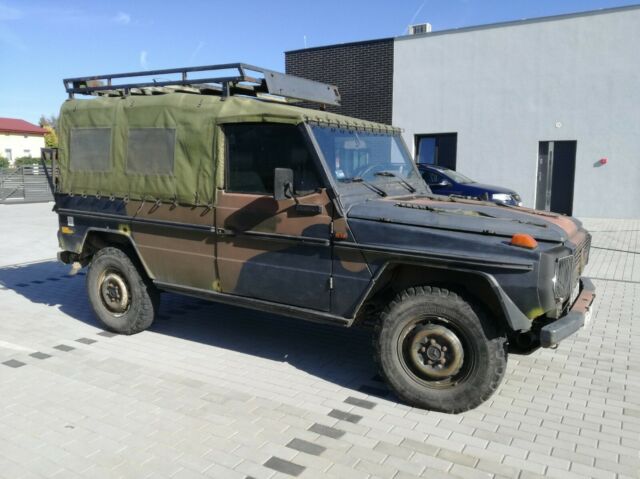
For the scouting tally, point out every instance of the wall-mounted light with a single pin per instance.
(601, 162)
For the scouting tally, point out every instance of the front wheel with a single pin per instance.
(124, 300)
(439, 352)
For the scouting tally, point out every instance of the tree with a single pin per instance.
(50, 137)
(50, 123)
(4, 163)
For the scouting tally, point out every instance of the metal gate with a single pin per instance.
(26, 184)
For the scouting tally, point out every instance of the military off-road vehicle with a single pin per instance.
(221, 187)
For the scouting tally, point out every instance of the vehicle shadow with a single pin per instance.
(339, 355)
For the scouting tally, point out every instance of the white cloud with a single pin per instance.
(143, 59)
(9, 13)
(7, 35)
(10, 39)
(196, 50)
(122, 18)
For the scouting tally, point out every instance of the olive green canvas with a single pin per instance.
(198, 166)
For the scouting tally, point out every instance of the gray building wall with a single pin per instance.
(504, 88)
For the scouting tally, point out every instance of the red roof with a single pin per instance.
(14, 125)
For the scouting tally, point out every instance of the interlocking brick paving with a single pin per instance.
(217, 391)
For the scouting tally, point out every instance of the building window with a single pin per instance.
(437, 149)
(27, 153)
(8, 154)
(255, 150)
(151, 151)
(90, 149)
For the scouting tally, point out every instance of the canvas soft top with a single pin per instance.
(198, 157)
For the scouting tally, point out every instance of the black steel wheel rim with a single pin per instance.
(114, 292)
(435, 352)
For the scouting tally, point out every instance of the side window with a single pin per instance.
(90, 149)
(431, 178)
(151, 151)
(255, 150)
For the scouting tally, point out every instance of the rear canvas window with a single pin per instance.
(90, 149)
(151, 151)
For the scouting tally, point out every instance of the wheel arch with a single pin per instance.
(97, 238)
(478, 285)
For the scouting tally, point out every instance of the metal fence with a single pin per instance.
(26, 184)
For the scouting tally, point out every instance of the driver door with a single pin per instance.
(267, 249)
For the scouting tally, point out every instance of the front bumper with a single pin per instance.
(565, 326)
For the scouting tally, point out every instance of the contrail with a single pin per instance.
(414, 17)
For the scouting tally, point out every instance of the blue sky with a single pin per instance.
(42, 42)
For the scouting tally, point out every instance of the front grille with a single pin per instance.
(569, 269)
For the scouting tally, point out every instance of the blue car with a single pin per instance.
(443, 181)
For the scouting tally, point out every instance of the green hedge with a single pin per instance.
(28, 161)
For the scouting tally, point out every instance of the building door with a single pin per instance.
(556, 173)
(438, 149)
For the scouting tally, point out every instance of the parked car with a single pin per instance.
(443, 181)
(208, 189)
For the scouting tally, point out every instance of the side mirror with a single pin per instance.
(440, 184)
(282, 184)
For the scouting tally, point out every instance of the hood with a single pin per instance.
(481, 217)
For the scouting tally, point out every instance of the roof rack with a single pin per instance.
(270, 82)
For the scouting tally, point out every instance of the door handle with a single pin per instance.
(224, 232)
(308, 210)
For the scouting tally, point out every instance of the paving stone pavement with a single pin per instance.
(217, 391)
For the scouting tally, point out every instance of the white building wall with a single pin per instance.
(20, 145)
(505, 88)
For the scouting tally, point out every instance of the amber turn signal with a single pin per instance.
(524, 241)
(66, 230)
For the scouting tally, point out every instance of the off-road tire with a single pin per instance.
(484, 345)
(144, 297)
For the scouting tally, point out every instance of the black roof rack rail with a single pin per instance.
(270, 82)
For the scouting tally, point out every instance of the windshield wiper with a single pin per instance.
(402, 181)
(372, 187)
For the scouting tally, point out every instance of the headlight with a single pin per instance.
(501, 197)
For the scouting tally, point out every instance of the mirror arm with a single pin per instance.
(288, 191)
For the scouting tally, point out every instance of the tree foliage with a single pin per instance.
(50, 137)
(50, 123)
(51, 120)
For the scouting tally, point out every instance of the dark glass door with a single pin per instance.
(439, 149)
(556, 174)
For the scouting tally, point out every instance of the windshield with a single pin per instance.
(374, 158)
(457, 177)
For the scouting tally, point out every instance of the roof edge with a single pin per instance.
(524, 21)
(508, 23)
(346, 44)
(23, 133)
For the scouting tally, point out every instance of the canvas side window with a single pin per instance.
(151, 151)
(90, 149)
(255, 150)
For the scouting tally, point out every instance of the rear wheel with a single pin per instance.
(123, 299)
(439, 352)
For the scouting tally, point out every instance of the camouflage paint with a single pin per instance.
(268, 250)
(174, 254)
